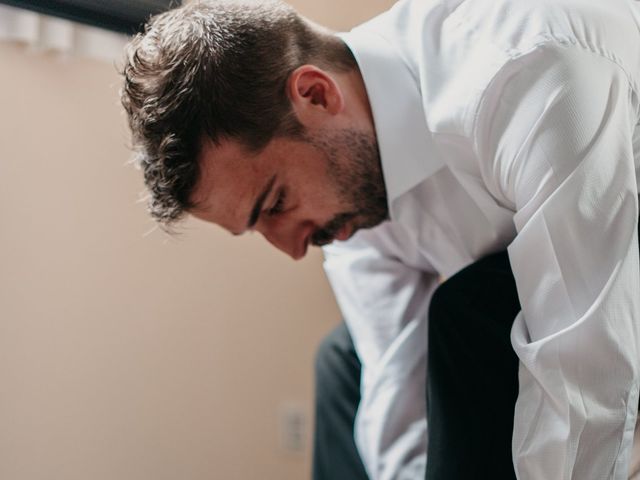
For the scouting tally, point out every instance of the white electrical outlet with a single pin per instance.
(292, 427)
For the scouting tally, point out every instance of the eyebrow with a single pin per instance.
(257, 207)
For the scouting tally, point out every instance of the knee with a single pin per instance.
(446, 303)
(333, 351)
(336, 363)
(484, 290)
(470, 286)
(325, 355)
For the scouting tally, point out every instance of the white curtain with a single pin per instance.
(42, 32)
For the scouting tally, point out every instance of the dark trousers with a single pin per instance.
(337, 397)
(471, 390)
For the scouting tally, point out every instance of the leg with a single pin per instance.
(337, 397)
(472, 382)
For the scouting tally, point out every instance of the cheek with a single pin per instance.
(315, 205)
(315, 198)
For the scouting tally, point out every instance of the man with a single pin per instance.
(467, 162)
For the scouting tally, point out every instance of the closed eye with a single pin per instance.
(278, 207)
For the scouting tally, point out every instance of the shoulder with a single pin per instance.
(456, 48)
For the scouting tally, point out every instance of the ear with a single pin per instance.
(314, 93)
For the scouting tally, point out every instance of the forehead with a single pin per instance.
(230, 179)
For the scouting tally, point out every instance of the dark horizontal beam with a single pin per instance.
(126, 16)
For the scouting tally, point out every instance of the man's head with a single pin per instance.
(239, 110)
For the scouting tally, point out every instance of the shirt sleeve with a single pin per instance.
(554, 137)
(384, 297)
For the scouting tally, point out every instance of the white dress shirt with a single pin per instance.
(503, 124)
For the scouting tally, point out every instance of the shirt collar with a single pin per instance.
(407, 149)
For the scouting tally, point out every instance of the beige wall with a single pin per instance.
(133, 357)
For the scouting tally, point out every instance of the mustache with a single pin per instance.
(326, 234)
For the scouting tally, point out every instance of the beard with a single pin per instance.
(355, 171)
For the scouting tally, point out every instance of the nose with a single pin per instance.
(292, 241)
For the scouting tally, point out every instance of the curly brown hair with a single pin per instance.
(219, 69)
